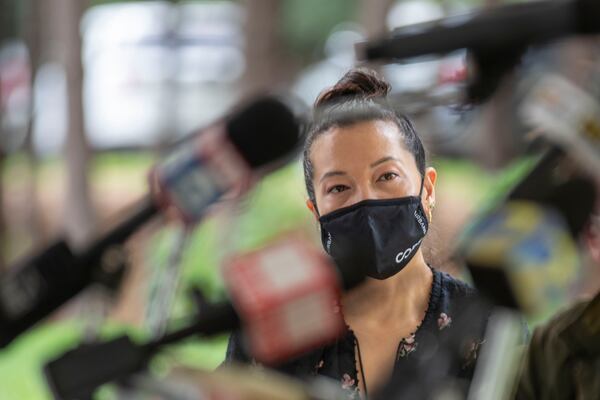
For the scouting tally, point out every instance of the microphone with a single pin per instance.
(251, 141)
(568, 116)
(529, 24)
(79, 372)
(254, 140)
(283, 296)
(231, 381)
(286, 295)
(523, 253)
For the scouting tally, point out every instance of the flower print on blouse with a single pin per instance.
(444, 321)
(407, 345)
(347, 382)
(471, 352)
(351, 387)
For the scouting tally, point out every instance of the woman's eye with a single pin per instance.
(337, 189)
(388, 176)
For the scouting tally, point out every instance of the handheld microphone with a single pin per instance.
(568, 116)
(509, 26)
(79, 372)
(225, 157)
(523, 254)
(272, 296)
(255, 138)
(286, 295)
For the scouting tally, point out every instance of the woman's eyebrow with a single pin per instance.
(331, 173)
(384, 159)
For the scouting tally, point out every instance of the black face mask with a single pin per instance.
(378, 236)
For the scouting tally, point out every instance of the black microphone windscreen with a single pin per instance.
(79, 372)
(575, 200)
(485, 31)
(264, 131)
(588, 15)
(34, 287)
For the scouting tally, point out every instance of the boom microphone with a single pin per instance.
(223, 156)
(511, 26)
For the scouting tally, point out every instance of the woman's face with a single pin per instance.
(363, 161)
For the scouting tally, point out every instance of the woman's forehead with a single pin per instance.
(363, 142)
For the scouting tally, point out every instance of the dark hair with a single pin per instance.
(359, 96)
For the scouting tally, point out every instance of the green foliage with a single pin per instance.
(11, 19)
(499, 184)
(204, 354)
(123, 160)
(305, 24)
(101, 2)
(21, 375)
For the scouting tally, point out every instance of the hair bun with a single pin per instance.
(361, 83)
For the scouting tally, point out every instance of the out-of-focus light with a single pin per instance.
(410, 12)
(339, 58)
(50, 109)
(15, 94)
(156, 70)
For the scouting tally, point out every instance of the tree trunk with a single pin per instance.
(373, 18)
(3, 238)
(33, 36)
(263, 46)
(373, 15)
(79, 213)
(492, 3)
(8, 20)
(8, 30)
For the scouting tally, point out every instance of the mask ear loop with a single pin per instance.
(420, 194)
(422, 184)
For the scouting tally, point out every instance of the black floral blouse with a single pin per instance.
(447, 300)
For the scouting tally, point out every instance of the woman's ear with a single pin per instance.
(312, 208)
(429, 187)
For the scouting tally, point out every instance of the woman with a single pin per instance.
(373, 196)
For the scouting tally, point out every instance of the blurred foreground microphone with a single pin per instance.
(493, 49)
(225, 156)
(284, 297)
(529, 24)
(567, 115)
(524, 253)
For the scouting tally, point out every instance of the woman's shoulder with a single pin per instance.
(451, 295)
(452, 286)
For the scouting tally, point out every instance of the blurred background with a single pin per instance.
(91, 93)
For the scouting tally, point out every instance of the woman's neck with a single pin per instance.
(382, 301)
